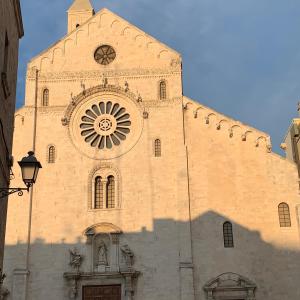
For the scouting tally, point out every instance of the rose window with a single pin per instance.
(105, 54)
(105, 125)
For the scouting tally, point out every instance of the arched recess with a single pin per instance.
(102, 228)
(230, 286)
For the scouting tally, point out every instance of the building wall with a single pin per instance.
(171, 208)
(234, 178)
(150, 196)
(10, 26)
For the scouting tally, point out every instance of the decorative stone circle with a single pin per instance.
(105, 125)
(105, 54)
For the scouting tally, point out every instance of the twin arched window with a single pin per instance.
(45, 98)
(104, 192)
(162, 90)
(157, 148)
(284, 215)
(228, 235)
(51, 155)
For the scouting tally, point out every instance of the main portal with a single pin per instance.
(101, 292)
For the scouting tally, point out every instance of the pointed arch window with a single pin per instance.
(110, 194)
(51, 155)
(284, 215)
(228, 235)
(162, 90)
(157, 148)
(45, 101)
(98, 190)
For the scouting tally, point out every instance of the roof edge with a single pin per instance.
(226, 116)
(18, 15)
(99, 12)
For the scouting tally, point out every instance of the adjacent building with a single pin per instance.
(144, 193)
(11, 30)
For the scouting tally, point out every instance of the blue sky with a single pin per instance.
(240, 57)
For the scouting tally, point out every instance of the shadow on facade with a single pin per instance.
(159, 256)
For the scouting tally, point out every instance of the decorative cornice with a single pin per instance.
(129, 73)
(233, 127)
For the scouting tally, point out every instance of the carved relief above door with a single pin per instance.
(106, 271)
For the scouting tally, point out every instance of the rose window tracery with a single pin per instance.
(105, 125)
(105, 54)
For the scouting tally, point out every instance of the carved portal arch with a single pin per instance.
(110, 89)
(102, 228)
(230, 286)
(109, 261)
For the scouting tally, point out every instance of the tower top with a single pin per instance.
(81, 5)
(79, 12)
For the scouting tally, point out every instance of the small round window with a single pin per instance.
(105, 54)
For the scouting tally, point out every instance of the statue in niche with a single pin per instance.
(102, 254)
(75, 259)
(127, 255)
(4, 293)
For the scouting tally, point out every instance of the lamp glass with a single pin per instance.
(29, 173)
(30, 167)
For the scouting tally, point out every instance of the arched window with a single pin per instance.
(98, 198)
(110, 194)
(51, 155)
(284, 215)
(157, 148)
(45, 101)
(162, 90)
(104, 188)
(228, 235)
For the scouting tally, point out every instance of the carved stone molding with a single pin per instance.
(230, 286)
(137, 73)
(98, 89)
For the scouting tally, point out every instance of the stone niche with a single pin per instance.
(230, 286)
(110, 262)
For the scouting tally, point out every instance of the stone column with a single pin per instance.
(104, 185)
(114, 252)
(128, 288)
(20, 278)
(185, 234)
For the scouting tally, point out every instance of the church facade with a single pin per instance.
(144, 193)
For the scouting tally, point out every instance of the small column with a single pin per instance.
(114, 252)
(104, 186)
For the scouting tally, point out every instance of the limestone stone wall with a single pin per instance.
(150, 201)
(170, 209)
(10, 32)
(232, 178)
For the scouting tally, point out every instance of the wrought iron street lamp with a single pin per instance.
(29, 167)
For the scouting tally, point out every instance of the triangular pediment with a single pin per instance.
(134, 48)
